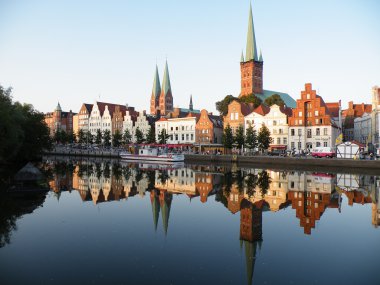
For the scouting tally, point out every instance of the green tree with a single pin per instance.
(81, 136)
(99, 137)
(107, 138)
(222, 106)
(116, 139)
(151, 137)
(239, 137)
(139, 136)
(89, 137)
(263, 138)
(228, 137)
(263, 182)
(251, 98)
(251, 138)
(274, 99)
(163, 137)
(70, 137)
(127, 137)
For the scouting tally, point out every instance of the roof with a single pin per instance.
(288, 100)
(88, 107)
(28, 173)
(111, 107)
(262, 110)
(286, 110)
(251, 49)
(156, 84)
(217, 121)
(166, 80)
(162, 119)
(333, 108)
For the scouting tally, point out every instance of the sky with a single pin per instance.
(79, 52)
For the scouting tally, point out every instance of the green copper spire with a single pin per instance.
(166, 81)
(261, 56)
(156, 84)
(251, 51)
(165, 211)
(242, 57)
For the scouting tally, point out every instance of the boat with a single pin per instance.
(152, 154)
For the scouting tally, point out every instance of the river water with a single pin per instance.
(107, 222)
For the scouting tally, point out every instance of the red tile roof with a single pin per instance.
(262, 110)
(333, 108)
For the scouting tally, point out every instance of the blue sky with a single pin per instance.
(79, 51)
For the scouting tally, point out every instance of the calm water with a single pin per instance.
(111, 223)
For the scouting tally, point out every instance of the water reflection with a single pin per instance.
(245, 192)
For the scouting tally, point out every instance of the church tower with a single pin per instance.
(191, 103)
(166, 97)
(156, 91)
(251, 67)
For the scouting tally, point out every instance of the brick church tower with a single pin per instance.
(166, 98)
(156, 91)
(251, 67)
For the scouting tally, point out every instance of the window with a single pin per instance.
(278, 140)
(318, 144)
(292, 132)
(232, 116)
(285, 141)
(316, 121)
(307, 96)
(299, 145)
(236, 116)
(309, 133)
(274, 123)
(300, 132)
(318, 132)
(292, 145)
(300, 114)
(280, 131)
(300, 122)
(325, 131)
(183, 137)
(325, 144)
(192, 137)
(316, 113)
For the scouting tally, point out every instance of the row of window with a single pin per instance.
(309, 132)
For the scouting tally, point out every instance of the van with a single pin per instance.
(323, 152)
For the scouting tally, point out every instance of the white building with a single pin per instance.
(84, 117)
(180, 130)
(362, 128)
(142, 123)
(275, 118)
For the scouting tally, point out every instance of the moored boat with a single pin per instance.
(152, 154)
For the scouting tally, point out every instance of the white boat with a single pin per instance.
(152, 154)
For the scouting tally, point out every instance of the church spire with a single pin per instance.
(191, 103)
(242, 57)
(166, 81)
(261, 56)
(251, 51)
(156, 84)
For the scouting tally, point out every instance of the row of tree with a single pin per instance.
(251, 139)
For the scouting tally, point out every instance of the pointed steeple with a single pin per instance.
(155, 208)
(242, 57)
(261, 56)
(251, 51)
(166, 81)
(58, 108)
(191, 103)
(165, 211)
(156, 84)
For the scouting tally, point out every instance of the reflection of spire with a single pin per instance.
(166, 202)
(155, 207)
(250, 258)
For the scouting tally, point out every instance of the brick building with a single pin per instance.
(349, 115)
(59, 120)
(236, 113)
(209, 128)
(311, 124)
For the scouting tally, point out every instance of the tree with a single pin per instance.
(81, 136)
(251, 138)
(228, 137)
(89, 137)
(239, 137)
(163, 137)
(116, 138)
(151, 137)
(99, 136)
(107, 138)
(127, 137)
(222, 106)
(264, 139)
(71, 137)
(274, 99)
(263, 182)
(139, 136)
(251, 98)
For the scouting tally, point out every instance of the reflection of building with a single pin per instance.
(310, 195)
(181, 180)
(205, 184)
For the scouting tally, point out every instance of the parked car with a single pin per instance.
(277, 152)
(319, 152)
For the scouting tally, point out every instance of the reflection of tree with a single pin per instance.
(98, 169)
(107, 170)
(126, 172)
(151, 175)
(239, 180)
(116, 170)
(139, 175)
(12, 209)
(163, 176)
(251, 181)
(228, 181)
(263, 182)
